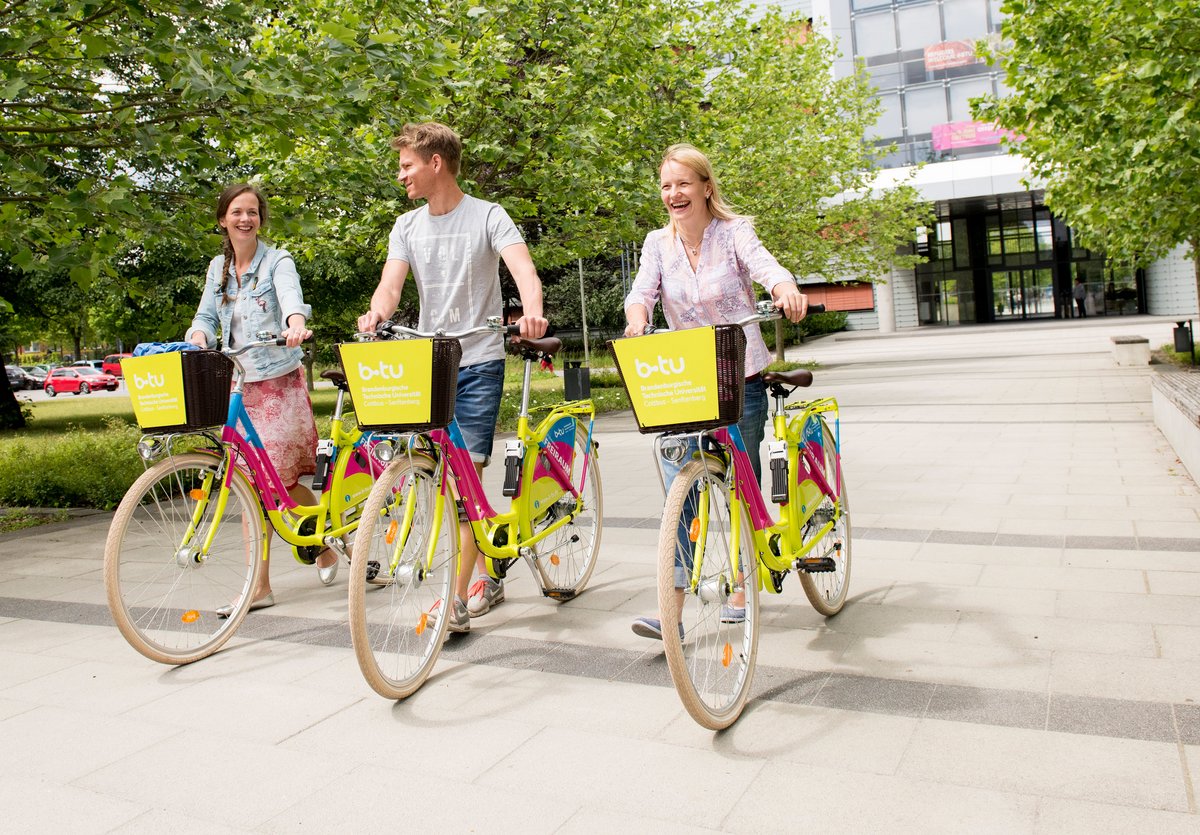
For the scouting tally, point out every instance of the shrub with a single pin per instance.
(74, 468)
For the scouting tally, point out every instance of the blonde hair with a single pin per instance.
(693, 158)
(429, 138)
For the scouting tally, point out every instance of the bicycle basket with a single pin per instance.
(180, 391)
(402, 385)
(684, 381)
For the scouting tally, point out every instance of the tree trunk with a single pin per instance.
(10, 409)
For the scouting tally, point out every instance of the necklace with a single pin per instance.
(694, 250)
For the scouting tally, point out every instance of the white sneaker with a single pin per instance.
(483, 595)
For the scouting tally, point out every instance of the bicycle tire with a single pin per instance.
(163, 598)
(712, 663)
(826, 590)
(396, 635)
(566, 559)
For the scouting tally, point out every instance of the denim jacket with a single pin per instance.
(269, 294)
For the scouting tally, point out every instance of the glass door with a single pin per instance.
(1023, 294)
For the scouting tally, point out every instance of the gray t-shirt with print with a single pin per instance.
(455, 259)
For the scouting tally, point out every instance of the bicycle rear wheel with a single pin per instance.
(826, 590)
(397, 587)
(162, 592)
(710, 653)
(566, 558)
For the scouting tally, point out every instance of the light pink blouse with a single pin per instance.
(718, 291)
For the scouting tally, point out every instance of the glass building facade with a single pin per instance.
(995, 252)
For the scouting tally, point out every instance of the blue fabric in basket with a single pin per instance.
(145, 349)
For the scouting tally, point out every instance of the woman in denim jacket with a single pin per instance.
(252, 287)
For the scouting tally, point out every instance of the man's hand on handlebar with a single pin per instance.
(532, 327)
(369, 321)
(791, 302)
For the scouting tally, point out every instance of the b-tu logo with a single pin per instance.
(663, 366)
(141, 381)
(384, 370)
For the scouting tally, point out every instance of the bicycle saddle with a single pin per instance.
(799, 377)
(549, 345)
(337, 377)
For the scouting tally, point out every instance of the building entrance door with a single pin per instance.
(1023, 294)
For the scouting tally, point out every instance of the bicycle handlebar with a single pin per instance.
(264, 341)
(388, 328)
(765, 311)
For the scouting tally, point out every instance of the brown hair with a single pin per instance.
(691, 157)
(429, 138)
(231, 193)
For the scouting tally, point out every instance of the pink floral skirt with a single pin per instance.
(282, 414)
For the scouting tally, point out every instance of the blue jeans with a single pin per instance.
(477, 406)
(752, 427)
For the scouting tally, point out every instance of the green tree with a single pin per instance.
(1105, 99)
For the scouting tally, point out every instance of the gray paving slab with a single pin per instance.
(1019, 652)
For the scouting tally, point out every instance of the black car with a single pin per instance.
(18, 379)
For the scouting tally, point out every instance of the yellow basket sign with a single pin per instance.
(155, 386)
(391, 382)
(671, 377)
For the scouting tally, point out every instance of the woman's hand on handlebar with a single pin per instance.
(199, 340)
(791, 302)
(296, 331)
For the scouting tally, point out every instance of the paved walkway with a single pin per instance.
(1021, 651)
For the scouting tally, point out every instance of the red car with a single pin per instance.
(112, 364)
(79, 380)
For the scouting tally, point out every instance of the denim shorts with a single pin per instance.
(477, 406)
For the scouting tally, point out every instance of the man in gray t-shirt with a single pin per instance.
(455, 259)
(453, 246)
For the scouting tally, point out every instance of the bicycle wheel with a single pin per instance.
(826, 590)
(396, 586)
(162, 593)
(709, 652)
(566, 558)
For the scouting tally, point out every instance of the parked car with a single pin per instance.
(112, 364)
(17, 378)
(96, 364)
(79, 380)
(37, 373)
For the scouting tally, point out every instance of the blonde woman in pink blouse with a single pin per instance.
(702, 266)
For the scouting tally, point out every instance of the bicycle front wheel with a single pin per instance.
(401, 574)
(709, 643)
(162, 591)
(826, 590)
(566, 558)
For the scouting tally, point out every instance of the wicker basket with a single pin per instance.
(731, 384)
(207, 378)
(446, 354)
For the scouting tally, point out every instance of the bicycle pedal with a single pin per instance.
(561, 595)
(816, 565)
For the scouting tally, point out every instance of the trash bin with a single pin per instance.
(1183, 338)
(577, 380)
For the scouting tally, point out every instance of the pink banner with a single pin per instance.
(942, 56)
(967, 135)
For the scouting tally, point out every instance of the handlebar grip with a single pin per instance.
(816, 308)
(515, 330)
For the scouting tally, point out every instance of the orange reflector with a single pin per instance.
(197, 493)
(423, 622)
(554, 559)
(694, 529)
(727, 655)
(190, 616)
(391, 534)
